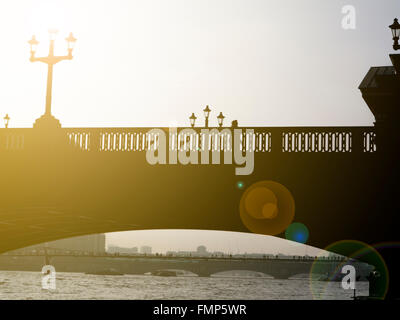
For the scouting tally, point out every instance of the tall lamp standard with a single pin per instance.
(6, 120)
(207, 114)
(47, 119)
(395, 27)
(220, 118)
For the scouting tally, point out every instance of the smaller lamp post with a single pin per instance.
(192, 120)
(395, 27)
(220, 118)
(207, 114)
(6, 120)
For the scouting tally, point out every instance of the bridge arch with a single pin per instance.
(171, 272)
(242, 273)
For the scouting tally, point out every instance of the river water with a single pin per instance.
(28, 285)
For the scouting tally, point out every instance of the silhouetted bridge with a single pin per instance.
(76, 181)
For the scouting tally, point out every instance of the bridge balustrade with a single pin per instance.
(261, 140)
(317, 141)
(13, 141)
(369, 141)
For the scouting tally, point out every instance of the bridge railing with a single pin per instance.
(12, 139)
(329, 140)
(369, 141)
(255, 139)
(317, 141)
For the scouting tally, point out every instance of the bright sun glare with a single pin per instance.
(46, 15)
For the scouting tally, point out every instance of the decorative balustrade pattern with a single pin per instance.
(257, 142)
(14, 141)
(80, 140)
(124, 141)
(317, 142)
(369, 141)
(141, 141)
(262, 140)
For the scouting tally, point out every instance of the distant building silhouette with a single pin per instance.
(145, 249)
(123, 250)
(201, 250)
(95, 243)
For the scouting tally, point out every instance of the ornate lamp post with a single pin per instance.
(6, 120)
(207, 114)
(220, 118)
(192, 120)
(395, 27)
(48, 119)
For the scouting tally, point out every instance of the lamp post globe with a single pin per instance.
(6, 120)
(192, 119)
(220, 118)
(71, 42)
(53, 34)
(207, 114)
(33, 44)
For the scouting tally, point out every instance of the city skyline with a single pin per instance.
(163, 241)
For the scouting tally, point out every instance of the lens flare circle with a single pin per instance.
(257, 199)
(240, 185)
(297, 232)
(267, 207)
(366, 255)
(270, 210)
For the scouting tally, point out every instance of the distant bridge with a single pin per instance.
(201, 266)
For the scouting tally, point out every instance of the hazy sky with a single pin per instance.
(154, 62)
